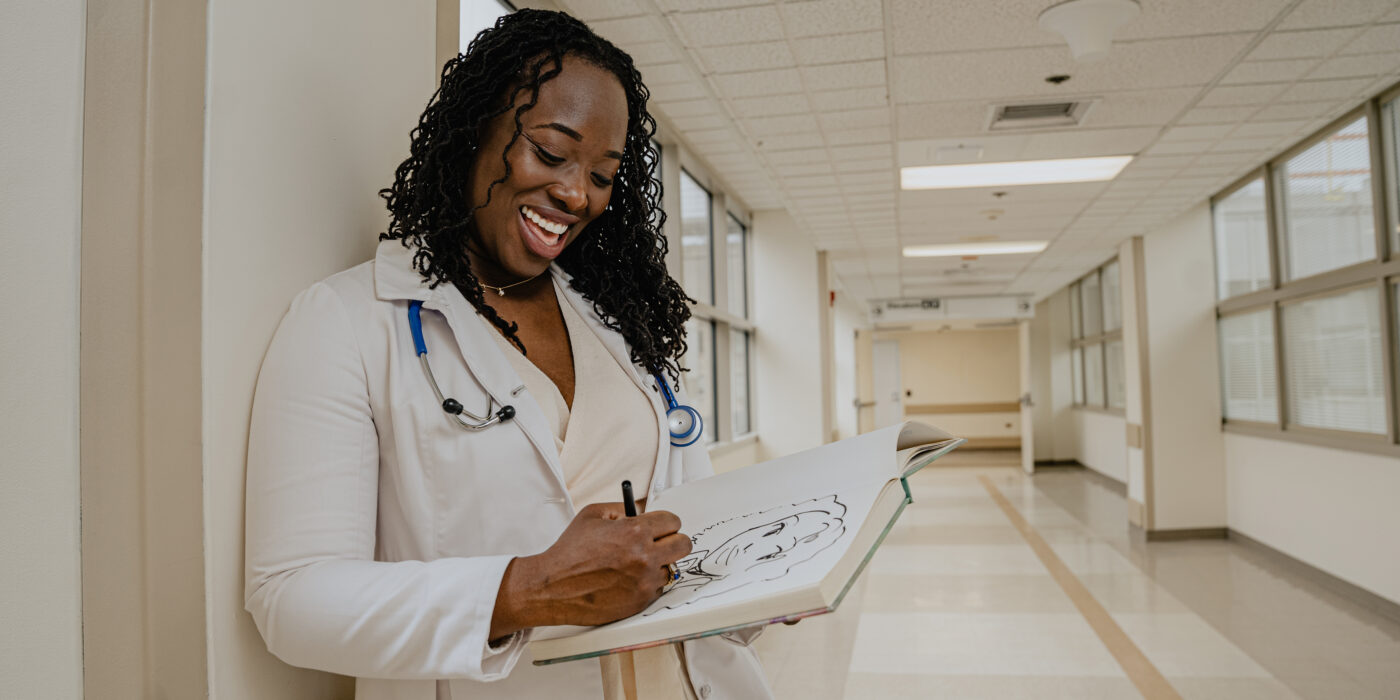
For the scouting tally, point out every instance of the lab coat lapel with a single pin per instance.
(617, 345)
(492, 369)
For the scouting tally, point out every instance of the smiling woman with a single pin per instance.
(389, 539)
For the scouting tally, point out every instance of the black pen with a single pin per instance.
(627, 503)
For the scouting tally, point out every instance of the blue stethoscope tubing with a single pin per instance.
(683, 421)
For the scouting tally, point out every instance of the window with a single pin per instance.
(697, 244)
(1332, 351)
(739, 382)
(735, 244)
(1326, 191)
(1096, 353)
(477, 15)
(1242, 241)
(700, 380)
(1309, 353)
(1247, 367)
(712, 264)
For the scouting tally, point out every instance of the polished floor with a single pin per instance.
(998, 585)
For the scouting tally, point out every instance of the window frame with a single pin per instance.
(1382, 270)
(676, 157)
(1082, 342)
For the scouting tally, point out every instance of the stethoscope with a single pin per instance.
(683, 421)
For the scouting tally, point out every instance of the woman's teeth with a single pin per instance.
(553, 227)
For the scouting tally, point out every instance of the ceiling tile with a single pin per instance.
(1248, 145)
(818, 155)
(1263, 129)
(652, 52)
(838, 76)
(840, 48)
(942, 119)
(882, 150)
(851, 98)
(678, 92)
(1217, 115)
(667, 73)
(1239, 95)
(788, 142)
(1087, 143)
(684, 108)
(1294, 110)
(1178, 147)
(1197, 133)
(1333, 13)
(792, 123)
(1385, 37)
(1362, 65)
(704, 121)
(1283, 71)
(690, 5)
(1316, 90)
(742, 58)
(760, 83)
(771, 105)
(853, 119)
(797, 169)
(632, 30)
(1138, 107)
(866, 135)
(590, 10)
(1317, 43)
(733, 26)
(824, 17)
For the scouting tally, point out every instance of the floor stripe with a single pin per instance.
(1149, 681)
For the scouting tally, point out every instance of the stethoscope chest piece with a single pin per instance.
(682, 421)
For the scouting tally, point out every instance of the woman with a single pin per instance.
(415, 549)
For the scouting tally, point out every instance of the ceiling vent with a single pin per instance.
(1040, 115)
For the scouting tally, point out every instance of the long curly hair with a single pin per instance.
(619, 261)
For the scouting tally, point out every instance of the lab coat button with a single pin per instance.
(705, 690)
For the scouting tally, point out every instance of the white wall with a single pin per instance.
(1053, 403)
(310, 105)
(1099, 439)
(1188, 456)
(1333, 509)
(788, 370)
(41, 50)
(849, 317)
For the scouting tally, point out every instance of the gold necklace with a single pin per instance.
(501, 291)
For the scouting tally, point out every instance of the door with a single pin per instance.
(1027, 401)
(889, 394)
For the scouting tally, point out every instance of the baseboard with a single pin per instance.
(1057, 463)
(1356, 594)
(1187, 533)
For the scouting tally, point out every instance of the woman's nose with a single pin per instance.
(570, 193)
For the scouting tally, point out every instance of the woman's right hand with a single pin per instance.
(604, 567)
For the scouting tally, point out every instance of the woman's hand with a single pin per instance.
(604, 567)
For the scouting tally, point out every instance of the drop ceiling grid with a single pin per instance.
(817, 94)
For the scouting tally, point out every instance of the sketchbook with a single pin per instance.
(774, 542)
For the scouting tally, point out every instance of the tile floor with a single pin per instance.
(956, 604)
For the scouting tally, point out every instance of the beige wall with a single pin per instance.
(962, 367)
(787, 366)
(41, 50)
(1188, 457)
(308, 117)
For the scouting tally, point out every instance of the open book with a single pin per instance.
(774, 542)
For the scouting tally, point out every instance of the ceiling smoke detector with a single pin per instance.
(1088, 25)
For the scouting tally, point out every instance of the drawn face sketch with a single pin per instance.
(766, 547)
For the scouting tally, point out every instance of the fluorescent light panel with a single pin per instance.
(1012, 173)
(949, 250)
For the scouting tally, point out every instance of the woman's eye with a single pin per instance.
(602, 181)
(547, 157)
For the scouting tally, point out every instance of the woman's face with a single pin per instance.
(562, 168)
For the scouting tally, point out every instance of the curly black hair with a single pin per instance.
(619, 262)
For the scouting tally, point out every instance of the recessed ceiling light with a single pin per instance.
(951, 250)
(1012, 173)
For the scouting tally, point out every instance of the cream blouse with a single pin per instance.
(608, 436)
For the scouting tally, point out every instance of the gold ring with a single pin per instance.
(673, 574)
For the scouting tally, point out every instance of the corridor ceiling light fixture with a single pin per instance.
(1011, 173)
(1088, 25)
(958, 250)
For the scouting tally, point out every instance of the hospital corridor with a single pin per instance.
(452, 349)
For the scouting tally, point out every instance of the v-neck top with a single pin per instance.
(609, 435)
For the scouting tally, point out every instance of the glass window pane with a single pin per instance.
(1391, 118)
(1117, 385)
(1092, 301)
(1326, 192)
(1247, 367)
(1093, 375)
(1112, 298)
(1076, 324)
(700, 380)
(1241, 241)
(697, 248)
(1076, 365)
(734, 244)
(476, 15)
(739, 381)
(1332, 354)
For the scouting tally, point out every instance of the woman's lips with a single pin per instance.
(539, 241)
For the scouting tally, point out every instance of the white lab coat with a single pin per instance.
(378, 531)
